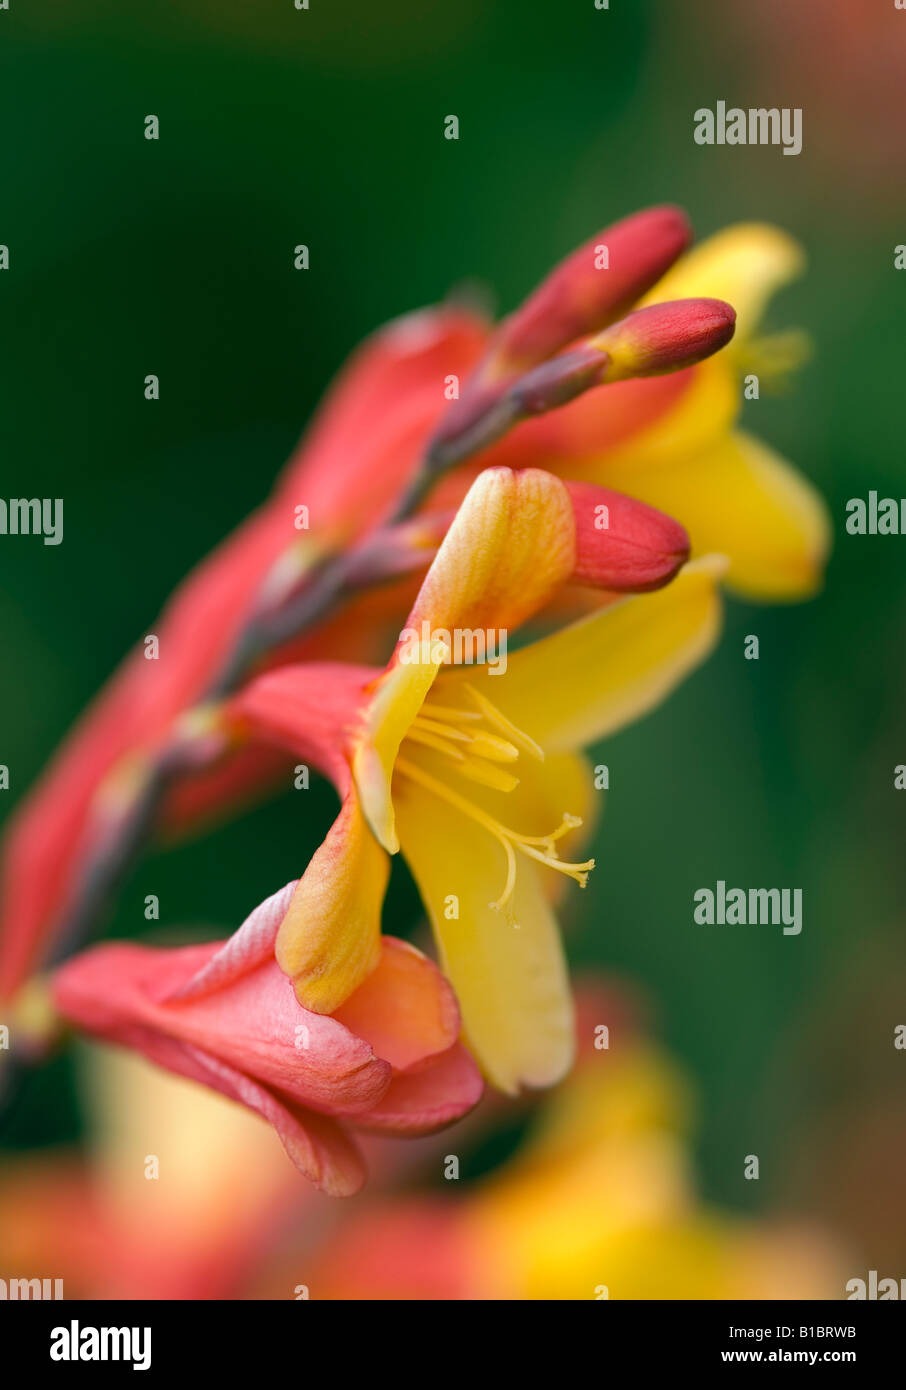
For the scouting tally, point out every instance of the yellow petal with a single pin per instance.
(553, 1231)
(744, 264)
(561, 1251)
(399, 696)
(741, 498)
(643, 1092)
(610, 668)
(330, 939)
(510, 980)
(510, 546)
(703, 414)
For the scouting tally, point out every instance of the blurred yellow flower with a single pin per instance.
(598, 1203)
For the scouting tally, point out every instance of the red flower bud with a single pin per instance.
(623, 544)
(666, 337)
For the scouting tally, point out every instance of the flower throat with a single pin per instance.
(480, 744)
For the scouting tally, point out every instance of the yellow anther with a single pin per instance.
(449, 711)
(506, 726)
(498, 750)
(420, 735)
(488, 774)
(444, 730)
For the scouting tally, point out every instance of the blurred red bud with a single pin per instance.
(589, 289)
(580, 297)
(665, 337)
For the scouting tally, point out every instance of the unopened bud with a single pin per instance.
(623, 544)
(665, 337)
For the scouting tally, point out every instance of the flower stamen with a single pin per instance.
(506, 726)
(509, 839)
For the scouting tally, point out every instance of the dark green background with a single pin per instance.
(175, 257)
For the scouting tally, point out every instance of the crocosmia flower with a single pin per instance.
(388, 1060)
(472, 770)
(612, 315)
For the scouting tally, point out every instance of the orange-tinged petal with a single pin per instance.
(510, 547)
(247, 1038)
(330, 939)
(406, 1009)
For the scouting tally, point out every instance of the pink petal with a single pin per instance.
(251, 944)
(421, 1101)
(254, 1024)
(311, 710)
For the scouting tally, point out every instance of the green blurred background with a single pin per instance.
(326, 127)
